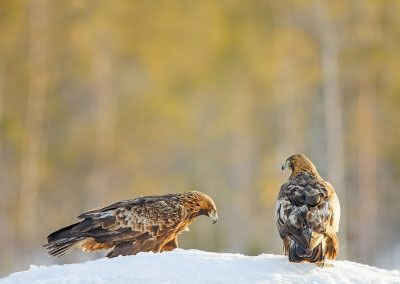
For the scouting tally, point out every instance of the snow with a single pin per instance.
(194, 266)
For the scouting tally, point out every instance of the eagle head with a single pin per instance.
(204, 205)
(299, 163)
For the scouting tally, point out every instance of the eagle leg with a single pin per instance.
(171, 245)
(332, 247)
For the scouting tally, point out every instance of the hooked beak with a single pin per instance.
(285, 165)
(213, 216)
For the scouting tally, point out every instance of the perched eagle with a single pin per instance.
(143, 224)
(307, 214)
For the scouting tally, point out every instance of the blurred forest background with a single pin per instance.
(108, 100)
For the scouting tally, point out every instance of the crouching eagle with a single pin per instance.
(307, 214)
(143, 224)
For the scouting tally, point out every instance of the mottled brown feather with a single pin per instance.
(307, 213)
(142, 224)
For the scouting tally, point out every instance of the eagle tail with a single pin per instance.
(62, 246)
(298, 254)
(65, 239)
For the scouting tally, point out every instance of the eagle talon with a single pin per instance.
(324, 265)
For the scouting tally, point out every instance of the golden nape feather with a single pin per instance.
(307, 213)
(143, 224)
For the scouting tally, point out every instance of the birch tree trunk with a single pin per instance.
(33, 132)
(367, 170)
(2, 188)
(106, 103)
(6, 261)
(241, 170)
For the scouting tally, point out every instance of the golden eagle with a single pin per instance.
(143, 224)
(307, 214)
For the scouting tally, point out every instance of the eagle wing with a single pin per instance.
(305, 211)
(130, 226)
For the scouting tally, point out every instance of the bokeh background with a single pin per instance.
(107, 100)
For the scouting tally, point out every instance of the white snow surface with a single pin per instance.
(194, 266)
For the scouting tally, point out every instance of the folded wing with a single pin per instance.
(141, 224)
(304, 212)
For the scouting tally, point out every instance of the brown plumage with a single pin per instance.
(307, 213)
(143, 224)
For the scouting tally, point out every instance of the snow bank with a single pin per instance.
(193, 266)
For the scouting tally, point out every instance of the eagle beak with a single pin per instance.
(213, 216)
(285, 165)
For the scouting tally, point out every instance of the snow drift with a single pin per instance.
(193, 266)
